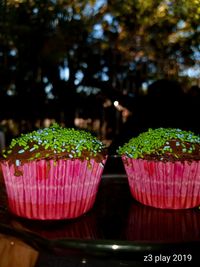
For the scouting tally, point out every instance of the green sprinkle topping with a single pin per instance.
(37, 155)
(156, 141)
(59, 140)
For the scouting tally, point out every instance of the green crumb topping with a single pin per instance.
(159, 142)
(55, 140)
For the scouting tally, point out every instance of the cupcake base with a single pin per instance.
(171, 185)
(57, 211)
(49, 190)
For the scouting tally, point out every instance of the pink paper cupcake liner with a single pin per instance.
(171, 185)
(49, 190)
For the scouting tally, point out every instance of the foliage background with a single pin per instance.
(118, 46)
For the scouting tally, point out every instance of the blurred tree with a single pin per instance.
(114, 43)
(163, 36)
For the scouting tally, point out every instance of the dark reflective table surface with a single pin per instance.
(118, 231)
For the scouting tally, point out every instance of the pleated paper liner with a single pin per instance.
(49, 190)
(171, 185)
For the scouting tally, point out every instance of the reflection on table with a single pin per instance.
(157, 225)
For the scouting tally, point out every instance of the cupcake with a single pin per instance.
(53, 173)
(163, 168)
